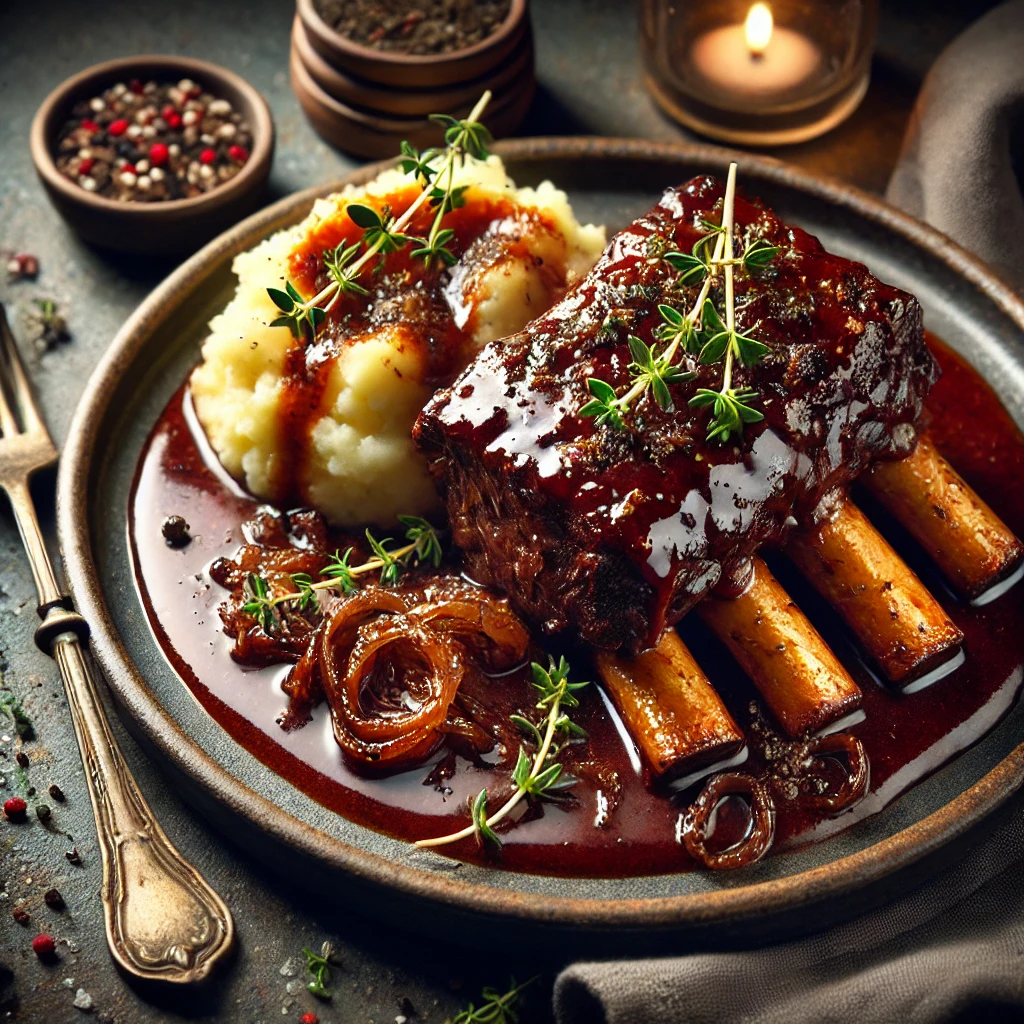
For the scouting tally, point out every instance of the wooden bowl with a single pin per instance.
(378, 136)
(370, 96)
(166, 228)
(431, 71)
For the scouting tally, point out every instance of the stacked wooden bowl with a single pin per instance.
(366, 101)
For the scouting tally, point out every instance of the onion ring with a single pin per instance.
(762, 815)
(858, 773)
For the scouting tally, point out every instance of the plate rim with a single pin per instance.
(134, 699)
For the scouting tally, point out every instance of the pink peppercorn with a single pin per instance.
(136, 86)
(43, 946)
(309, 1018)
(90, 126)
(128, 169)
(118, 127)
(173, 120)
(239, 154)
(207, 156)
(86, 165)
(14, 809)
(158, 154)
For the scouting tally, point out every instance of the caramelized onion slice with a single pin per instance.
(362, 652)
(302, 685)
(858, 772)
(762, 827)
(486, 625)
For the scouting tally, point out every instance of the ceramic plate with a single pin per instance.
(608, 181)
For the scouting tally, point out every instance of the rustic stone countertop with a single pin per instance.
(588, 70)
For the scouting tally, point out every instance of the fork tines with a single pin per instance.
(33, 450)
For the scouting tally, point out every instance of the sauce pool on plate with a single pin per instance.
(615, 825)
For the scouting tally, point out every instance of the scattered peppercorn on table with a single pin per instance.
(147, 141)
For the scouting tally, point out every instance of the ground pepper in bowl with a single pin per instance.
(417, 27)
(151, 142)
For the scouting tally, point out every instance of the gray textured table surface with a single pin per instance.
(588, 73)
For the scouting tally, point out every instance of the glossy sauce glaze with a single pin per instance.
(615, 826)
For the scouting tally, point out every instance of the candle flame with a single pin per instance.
(758, 28)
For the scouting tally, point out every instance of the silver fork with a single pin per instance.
(163, 921)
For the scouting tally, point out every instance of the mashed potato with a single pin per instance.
(364, 380)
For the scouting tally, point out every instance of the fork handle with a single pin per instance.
(163, 921)
(32, 537)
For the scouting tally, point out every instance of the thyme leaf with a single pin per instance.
(261, 603)
(426, 543)
(759, 253)
(420, 165)
(339, 570)
(481, 826)
(307, 595)
(730, 410)
(338, 264)
(319, 966)
(390, 567)
(692, 269)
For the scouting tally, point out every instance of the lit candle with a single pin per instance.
(756, 59)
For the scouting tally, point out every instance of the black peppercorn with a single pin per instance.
(54, 899)
(56, 792)
(43, 812)
(22, 758)
(175, 531)
(74, 856)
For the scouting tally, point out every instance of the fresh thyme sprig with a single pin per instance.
(434, 170)
(319, 966)
(539, 776)
(497, 1007)
(424, 546)
(701, 333)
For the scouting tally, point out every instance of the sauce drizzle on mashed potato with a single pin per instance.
(326, 423)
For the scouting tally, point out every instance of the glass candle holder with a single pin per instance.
(758, 74)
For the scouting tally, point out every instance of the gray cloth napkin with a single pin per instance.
(962, 165)
(953, 948)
